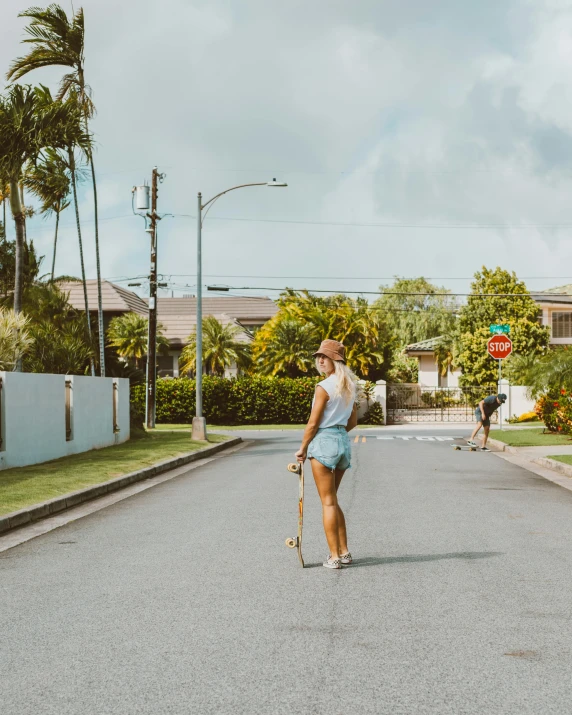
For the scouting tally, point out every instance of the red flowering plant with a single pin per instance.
(555, 409)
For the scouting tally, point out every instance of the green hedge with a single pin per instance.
(244, 401)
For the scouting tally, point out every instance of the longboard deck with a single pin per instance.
(465, 447)
(298, 468)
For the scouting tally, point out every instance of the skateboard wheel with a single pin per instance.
(294, 468)
(456, 448)
(291, 543)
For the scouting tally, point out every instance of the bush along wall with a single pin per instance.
(242, 401)
(555, 410)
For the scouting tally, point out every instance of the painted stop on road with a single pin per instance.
(499, 347)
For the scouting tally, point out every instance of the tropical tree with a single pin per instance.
(128, 334)
(49, 180)
(60, 41)
(417, 309)
(284, 346)
(221, 348)
(30, 268)
(15, 338)
(61, 344)
(28, 123)
(497, 296)
(363, 329)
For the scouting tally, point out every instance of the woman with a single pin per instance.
(326, 443)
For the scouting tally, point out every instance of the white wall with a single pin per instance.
(428, 372)
(34, 418)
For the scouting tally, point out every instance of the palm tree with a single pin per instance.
(284, 347)
(28, 123)
(128, 334)
(59, 41)
(221, 348)
(15, 339)
(71, 137)
(445, 354)
(50, 182)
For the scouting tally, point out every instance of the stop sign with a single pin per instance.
(499, 347)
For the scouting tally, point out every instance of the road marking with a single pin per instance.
(421, 439)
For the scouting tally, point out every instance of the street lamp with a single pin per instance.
(199, 430)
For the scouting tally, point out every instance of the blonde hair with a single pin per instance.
(347, 381)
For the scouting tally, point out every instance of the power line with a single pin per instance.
(399, 293)
(485, 226)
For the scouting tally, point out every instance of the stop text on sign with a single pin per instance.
(499, 347)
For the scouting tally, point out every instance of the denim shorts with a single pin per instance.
(331, 447)
(485, 420)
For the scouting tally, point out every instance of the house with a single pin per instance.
(176, 315)
(429, 375)
(555, 311)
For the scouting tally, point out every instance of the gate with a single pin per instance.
(416, 403)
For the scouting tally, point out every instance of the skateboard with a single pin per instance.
(297, 542)
(465, 447)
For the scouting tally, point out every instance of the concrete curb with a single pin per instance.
(560, 467)
(500, 446)
(67, 501)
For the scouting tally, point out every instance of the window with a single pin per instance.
(165, 365)
(562, 325)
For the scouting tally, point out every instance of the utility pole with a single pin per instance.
(152, 336)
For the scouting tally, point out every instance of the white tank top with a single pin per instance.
(337, 411)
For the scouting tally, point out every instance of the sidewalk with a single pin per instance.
(536, 460)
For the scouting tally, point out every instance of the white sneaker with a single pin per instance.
(471, 442)
(331, 563)
(346, 558)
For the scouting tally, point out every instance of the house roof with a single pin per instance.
(244, 309)
(424, 346)
(560, 294)
(115, 299)
(177, 327)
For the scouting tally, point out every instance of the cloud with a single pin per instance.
(425, 114)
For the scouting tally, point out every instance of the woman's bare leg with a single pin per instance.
(326, 485)
(342, 533)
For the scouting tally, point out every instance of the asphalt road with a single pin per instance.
(184, 598)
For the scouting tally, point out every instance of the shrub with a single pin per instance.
(374, 416)
(525, 417)
(242, 401)
(555, 410)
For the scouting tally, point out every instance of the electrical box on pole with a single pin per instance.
(142, 198)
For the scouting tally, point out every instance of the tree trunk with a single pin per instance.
(19, 223)
(99, 297)
(56, 239)
(74, 190)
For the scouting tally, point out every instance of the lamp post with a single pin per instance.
(199, 429)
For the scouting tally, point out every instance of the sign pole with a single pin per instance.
(500, 378)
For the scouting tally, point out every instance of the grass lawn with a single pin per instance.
(564, 458)
(25, 486)
(529, 438)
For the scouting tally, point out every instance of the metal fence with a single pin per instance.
(415, 403)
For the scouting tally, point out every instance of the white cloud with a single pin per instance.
(419, 113)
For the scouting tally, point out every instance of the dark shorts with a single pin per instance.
(479, 415)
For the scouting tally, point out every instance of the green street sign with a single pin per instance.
(500, 329)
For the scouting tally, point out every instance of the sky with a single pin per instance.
(416, 139)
